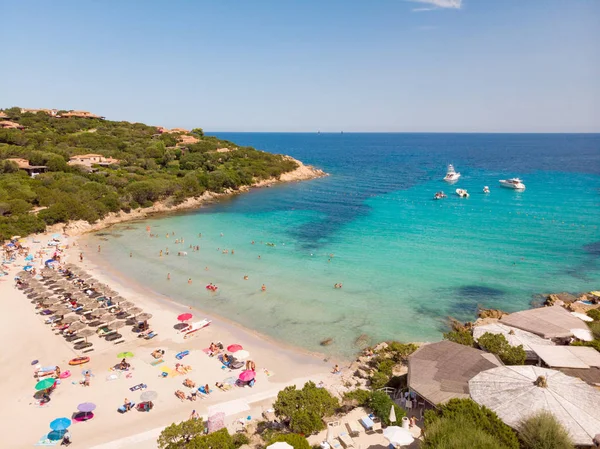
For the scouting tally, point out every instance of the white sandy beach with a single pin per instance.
(27, 338)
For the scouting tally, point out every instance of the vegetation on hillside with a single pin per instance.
(543, 431)
(152, 167)
(463, 423)
(498, 344)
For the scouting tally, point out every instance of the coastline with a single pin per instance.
(76, 228)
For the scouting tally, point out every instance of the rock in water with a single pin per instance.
(326, 342)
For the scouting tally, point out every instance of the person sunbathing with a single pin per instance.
(123, 366)
(207, 389)
(180, 394)
(189, 383)
(158, 353)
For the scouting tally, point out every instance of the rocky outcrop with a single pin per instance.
(490, 313)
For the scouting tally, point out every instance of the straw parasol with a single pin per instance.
(107, 317)
(143, 316)
(134, 310)
(77, 325)
(126, 305)
(70, 319)
(115, 325)
(517, 392)
(85, 333)
(118, 300)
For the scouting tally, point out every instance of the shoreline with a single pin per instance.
(77, 228)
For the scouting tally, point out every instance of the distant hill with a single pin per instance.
(58, 166)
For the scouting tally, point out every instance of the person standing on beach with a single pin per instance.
(168, 276)
(98, 248)
(130, 254)
(80, 257)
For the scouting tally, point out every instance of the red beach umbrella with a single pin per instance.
(233, 348)
(247, 376)
(185, 317)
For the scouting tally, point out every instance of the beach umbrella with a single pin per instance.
(60, 424)
(77, 325)
(247, 376)
(148, 396)
(216, 422)
(124, 355)
(582, 334)
(280, 445)
(44, 384)
(518, 392)
(134, 310)
(393, 414)
(118, 299)
(185, 317)
(582, 316)
(86, 408)
(85, 333)
(107, 317)
(242, 355)
(398, 436)
(234, 348)
(143, 316)
(115, 325)
(126, 305)
(70, 319)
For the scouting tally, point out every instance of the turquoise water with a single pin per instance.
(406, 262)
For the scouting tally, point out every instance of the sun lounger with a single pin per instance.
(150, 336)
(346, 440)
(353, 428)
(367, 423)
(182, 354)
(122, 409)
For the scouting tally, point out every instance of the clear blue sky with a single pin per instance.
(306, 65)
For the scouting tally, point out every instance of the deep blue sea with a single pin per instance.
(406, 262)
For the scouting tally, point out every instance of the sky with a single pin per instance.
(309, 65)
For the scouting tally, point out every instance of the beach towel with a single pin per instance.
(157, 362)
(138, 387)
(169, 371)
(182, 354)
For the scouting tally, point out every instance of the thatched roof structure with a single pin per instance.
(518, 392)
(568, 356)
(441, 371)
(547, 322)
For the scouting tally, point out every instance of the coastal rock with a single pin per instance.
(400, 370)
(559, 299)
(362, 341)
(361, 374)
(381, 346)
(490, 313)
(326, 342)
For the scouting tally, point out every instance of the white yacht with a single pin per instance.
(486, 189)
(513, 183)
(451, 175)
(462, 193)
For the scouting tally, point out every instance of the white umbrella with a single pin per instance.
(398, 436)
(583, 334)
(241, 355)
(280, 445)
(517, 392)
(393, 414)
(582, 316)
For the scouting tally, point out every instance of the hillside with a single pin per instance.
(77, 166)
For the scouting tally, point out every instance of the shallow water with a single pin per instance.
(406, 262)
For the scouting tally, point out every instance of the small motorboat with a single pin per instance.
(462, 193)
(451, 175)
(439, 196)
(486, 189)
(513, 183)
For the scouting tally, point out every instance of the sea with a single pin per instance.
(405, 261)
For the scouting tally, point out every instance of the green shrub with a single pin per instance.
(480, 417)
(595, 328)
(461, 337)
(458, 433)
(293, 439)
(378, 380)
(594, 314)
(399, 352)
(179, 435)
(361, 396)
(239, 439)
(305, 409)
(498, 344)
(543, 431)
(381, 404)
(593, 344)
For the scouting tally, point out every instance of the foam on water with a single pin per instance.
(406, 262)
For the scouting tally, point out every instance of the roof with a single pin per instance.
(3, 115)
(568, 356)
(590, 375)
(441, 371)
(24, 163)
(86, 156)
(547, 322)
(514, 336)
(513, 392)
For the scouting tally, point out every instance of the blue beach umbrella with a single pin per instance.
(60, 424)
(27, 267)
(30, 257)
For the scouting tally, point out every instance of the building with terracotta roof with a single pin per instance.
(88, 160)
(3, 114)
(51, 112)
(7, 124)
(80, 114)
(23, 164)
